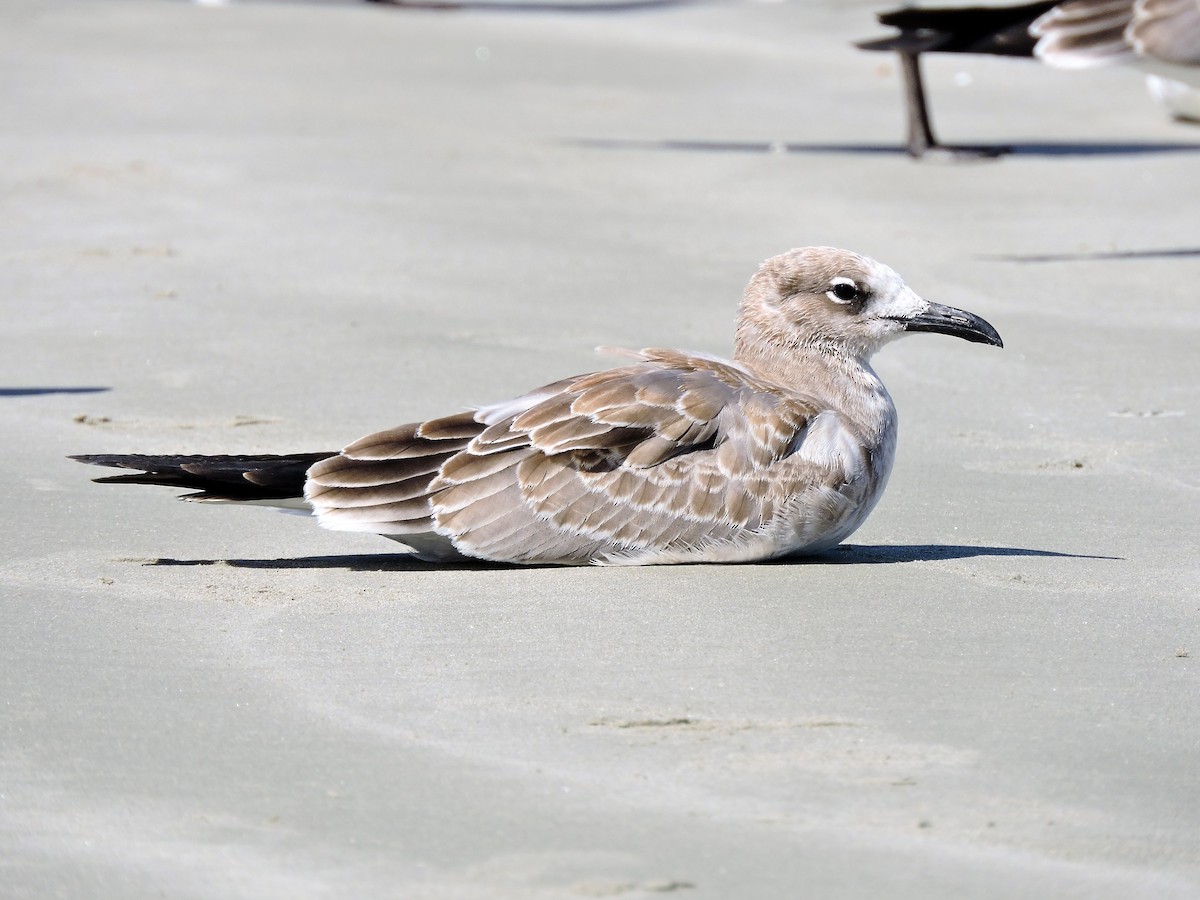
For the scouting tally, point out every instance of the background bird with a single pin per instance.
(677, 457)
(1160, 37)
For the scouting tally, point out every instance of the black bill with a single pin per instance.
(958, 322)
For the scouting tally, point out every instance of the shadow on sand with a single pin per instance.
(359, 562)
(849, 554)
(1046, 148)
(864, 554)
(1099, 256)
(39, 391)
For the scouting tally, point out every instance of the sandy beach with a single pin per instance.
(274, 227)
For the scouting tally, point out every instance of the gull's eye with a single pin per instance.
(843, 290)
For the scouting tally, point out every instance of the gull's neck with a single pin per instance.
(839, 379)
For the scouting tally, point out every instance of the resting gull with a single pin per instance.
(1160, 37)
(676, 457)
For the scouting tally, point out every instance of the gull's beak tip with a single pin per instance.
(956, 323)
(981, 332)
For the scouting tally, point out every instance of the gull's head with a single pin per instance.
(841, 302)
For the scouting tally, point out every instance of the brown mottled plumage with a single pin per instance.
(676, 457)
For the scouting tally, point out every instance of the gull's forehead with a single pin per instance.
(882, 279)
(862, 270)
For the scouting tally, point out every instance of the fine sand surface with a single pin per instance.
(275, 227)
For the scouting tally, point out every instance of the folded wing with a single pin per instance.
(679, 453)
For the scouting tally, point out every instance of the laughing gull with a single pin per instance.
(1161, 37)
(676, 457)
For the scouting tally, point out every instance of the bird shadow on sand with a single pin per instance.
(1044, 148)
(358, 562)
(876, 554)
(850, 554)
(1098, 256)
(40, 391)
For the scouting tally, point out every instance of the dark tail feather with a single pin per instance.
(214, 477)
(998, 30)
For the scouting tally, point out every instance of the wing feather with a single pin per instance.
(370, 495)
(484, 509)
(1080, 34)
(467, 467)
(676, 452)
(458, 426)
(595, 400)
(652, 451)
(344, 472)
(398, 511)
(1167, 30)
(555, 409)
(463, 497)
(402, 443)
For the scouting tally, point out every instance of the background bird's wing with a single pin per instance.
(1080, 34)
(1167, 30)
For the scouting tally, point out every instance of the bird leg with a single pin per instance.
(921, 142)
(920, 131)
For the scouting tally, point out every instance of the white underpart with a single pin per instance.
(828, 442)
(1183, 100)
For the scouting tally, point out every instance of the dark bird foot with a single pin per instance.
(953, 154)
